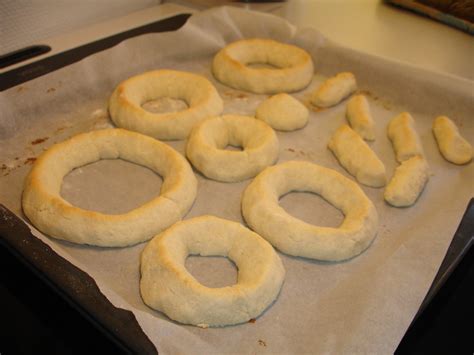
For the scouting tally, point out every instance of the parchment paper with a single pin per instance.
(363, 305)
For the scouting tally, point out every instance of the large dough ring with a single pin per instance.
(51, 214)
(294, 66)
(167, 286)
(198, 92)
(207, 141)
(263, 214)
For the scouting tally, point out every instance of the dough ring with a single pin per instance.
(198, 92)
(207, 141)
(51, 214)
(167, 286)
(263, 214)
(294, 66)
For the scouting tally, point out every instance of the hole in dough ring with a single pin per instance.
(293, 72)
(167, 286)
(263, 214)
(206, 147)
(198, 92)
(51, 214)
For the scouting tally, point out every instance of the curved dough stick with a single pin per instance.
(405, 140)
(357, 158)
(451, 144)
(359, 117)
(407, 182)
(334, 90)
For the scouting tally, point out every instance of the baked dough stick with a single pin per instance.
(334, 90)
(359, 117)
(451, 144)
(166, 285)
(293, 66)
(283, 112)
(264, 215)
(407, 182)
(405, 140)
(357, 158)
(51, 214)
(125, 104)
(206, 145)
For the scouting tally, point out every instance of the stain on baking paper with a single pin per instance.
(39, 140)
(385, 103)
(301, 153)
(50, 90)
(252, 320)
(29, 160)
(235, 94)
(262, 343)
(21, 88)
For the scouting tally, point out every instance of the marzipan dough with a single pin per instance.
(407, 183)
(125, 105)
(357, 158)
(207, 142)
(51, 214)
(334, 90)
(263, 214)
(293, 66)
(167, 286)
(283, 112)
(453, 147)
(359, 117)
(405, 140)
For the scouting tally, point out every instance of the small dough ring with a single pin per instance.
(51, 214)
(294, 66)
(263, 214)
(167, 286)
(198, 92)
(207, 141)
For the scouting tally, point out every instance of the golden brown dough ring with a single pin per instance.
(51, 214)
(294, 66)
(263, 214)
(167, 286)
(125, 105)
(206, 147)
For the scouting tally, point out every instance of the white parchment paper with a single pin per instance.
(363, 305)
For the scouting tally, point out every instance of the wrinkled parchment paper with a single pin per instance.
(363, 305)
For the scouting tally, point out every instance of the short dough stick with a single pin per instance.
(357, 158)
(359, 117)
(405, 140)
(334, 90)
(451, 144)
(407, 182)
(283, 112)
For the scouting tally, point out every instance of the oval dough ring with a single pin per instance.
(167, 286)
(294, 66)
(51, 214)
(198, 92)
(207, 141)
(263, 214)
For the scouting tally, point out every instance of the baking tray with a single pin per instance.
(458, 245)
